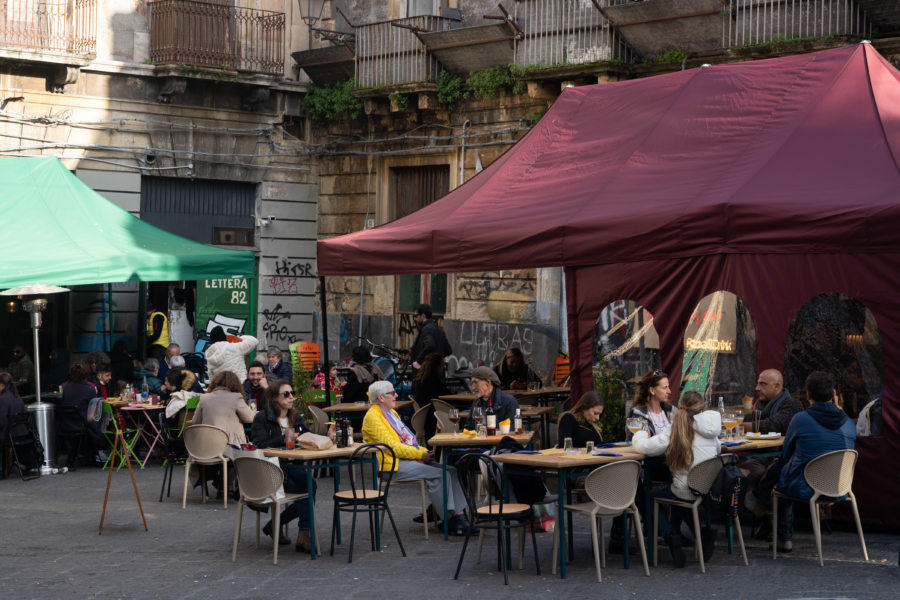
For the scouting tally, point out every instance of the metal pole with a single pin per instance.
(35, 326)
(325, 338)
(109, 316)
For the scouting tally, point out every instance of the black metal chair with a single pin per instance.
(175, 451)
(25, 444)
(496, 514)
(70, 430)
(368, 493)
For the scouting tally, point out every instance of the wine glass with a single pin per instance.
(634, 424)
(454, 418)
(730, 420)
(477, 415)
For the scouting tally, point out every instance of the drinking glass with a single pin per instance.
(477, 415)
(454, 418)
(589, 447)
(739, 433)
(482, 431)
(567, 445)
(730, 420)
(634, 424)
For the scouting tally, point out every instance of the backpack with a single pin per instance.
(727, 491)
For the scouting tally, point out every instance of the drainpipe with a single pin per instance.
(462, 152)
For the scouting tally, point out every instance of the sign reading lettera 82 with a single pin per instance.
(223, 297)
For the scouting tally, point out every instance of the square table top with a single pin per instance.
(462, 440)
(301, 454)
(556, 458)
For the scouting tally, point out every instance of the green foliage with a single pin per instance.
(534, 115)
(330, 103)
(609, 382)
(302, 383)
(401, 101)
(668, 57)
(488, 83)
(450, 90)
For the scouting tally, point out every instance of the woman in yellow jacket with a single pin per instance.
(382, 424)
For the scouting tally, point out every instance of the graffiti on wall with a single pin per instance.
(477, 343)
(287, 268)
(487, 283)
(97, 336)
(275, 325)
(283, 286)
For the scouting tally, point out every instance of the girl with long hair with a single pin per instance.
(580, 423)
(692, 439)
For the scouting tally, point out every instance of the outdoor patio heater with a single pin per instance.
(33, 303)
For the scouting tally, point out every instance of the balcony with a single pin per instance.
(30, 29)
(185, 33)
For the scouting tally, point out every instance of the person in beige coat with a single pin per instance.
(223, 406)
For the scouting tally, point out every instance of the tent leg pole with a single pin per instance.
(109, 316)
(325, 361)
(142, 321)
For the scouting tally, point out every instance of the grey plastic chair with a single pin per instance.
(442, 406)
(830, 476)
(443, 422)
(320, 419)
(206, 446)
(259, 481)
(700, 479)
(611, 489)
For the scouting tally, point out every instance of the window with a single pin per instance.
(626, 339)
(411, 188)
(837, 334)
(720, 350)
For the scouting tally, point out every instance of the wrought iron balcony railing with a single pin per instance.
(217, 36)
(68, 26)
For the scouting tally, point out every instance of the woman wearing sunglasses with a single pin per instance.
(277, 422)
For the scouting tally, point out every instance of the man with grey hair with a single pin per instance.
(172, 350)
(278, 368)
(151, 373)
(383, 425)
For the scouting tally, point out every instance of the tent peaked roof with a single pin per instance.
(59, 231)
(793, 154)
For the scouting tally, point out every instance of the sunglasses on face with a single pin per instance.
(287, 394)
(391, 393)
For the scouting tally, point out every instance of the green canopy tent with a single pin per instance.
(57, 230)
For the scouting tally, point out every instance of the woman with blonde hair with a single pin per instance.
(692, 439)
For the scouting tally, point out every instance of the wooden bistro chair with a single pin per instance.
(611, 489)
(367, 493)
(260, 483)
(495, 513)
(700, 480)
(830, 476)
(205, 445)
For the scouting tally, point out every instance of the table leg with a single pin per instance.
(377, 520)
(560, 521)
(337, 488)
(312, 514)
(444, 491)
(156, 434)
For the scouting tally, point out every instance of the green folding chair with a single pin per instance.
(129, 437)
(190, 405)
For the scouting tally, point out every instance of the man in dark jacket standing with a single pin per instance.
(430, 338)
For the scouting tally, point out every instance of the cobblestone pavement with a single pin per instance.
(49, 548)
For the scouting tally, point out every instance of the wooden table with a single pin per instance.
(456, 443)
(543, 396)
(565, 467)
(530, 413)
(319, 459)
(359, 407)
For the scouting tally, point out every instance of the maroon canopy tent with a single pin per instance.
(776, 180)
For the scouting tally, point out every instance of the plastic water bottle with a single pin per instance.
(722, 405)
(145, 391)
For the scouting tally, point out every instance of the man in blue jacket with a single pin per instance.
(822, 428)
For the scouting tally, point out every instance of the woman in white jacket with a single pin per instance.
(692, 439)
(222, 355)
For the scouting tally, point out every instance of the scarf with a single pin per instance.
(407, 437)
(367, 373)
(772, 407)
